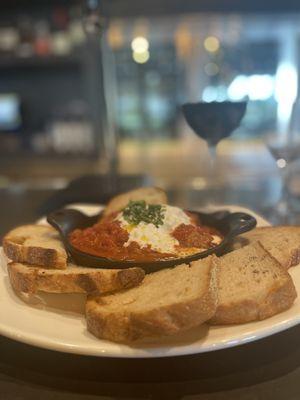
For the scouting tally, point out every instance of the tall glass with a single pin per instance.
(213, 122)
(285, 149)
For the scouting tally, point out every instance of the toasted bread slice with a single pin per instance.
(166, 302)
(252, 285)
(35, 244)
(151, 195)
(74, 279)
(282, 242)
(66, 302)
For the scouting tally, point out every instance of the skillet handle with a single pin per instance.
(67, 219)
(62, 220)
(239, 222)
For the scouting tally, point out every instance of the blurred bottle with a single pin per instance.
(76, 33)
(9, 40)
(42, 43)
(61, 45)
(26, 32)
(60, 18)
(60, 40)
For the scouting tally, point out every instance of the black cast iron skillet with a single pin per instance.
(229, 224)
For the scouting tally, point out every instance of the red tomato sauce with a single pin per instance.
(107, 239)
(195, 236)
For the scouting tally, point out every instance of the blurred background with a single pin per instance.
(96, 87)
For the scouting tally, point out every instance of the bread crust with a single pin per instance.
(294, 260)
(293, 256)
(124, 326)
(278, 300)
(280, 297)
(48, 258)
(31, 279)
(16, 251)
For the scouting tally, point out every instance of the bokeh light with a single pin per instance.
(211, 69)
(140, 44)
(281, 163)
(115, 36)
(211, 44)
(141, 57)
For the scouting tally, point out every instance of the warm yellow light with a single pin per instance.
(183, 41)
(211, 69)
(140, 44)
(211, 44)
(115, 36)
(141, 58)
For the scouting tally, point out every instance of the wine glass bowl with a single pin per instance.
(285, 149)
(214, 121)
(284, 146)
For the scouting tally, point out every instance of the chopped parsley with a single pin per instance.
(139, 211)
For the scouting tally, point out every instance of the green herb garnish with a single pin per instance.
(139, 211)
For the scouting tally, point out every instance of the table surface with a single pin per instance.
(267, 369)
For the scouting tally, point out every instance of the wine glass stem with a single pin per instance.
(213, 172)
(284, 197)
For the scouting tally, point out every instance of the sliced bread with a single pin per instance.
(151, 195)
(166, 302)
(31, 279)
(252, 285)
(35, 244)
(282, 242)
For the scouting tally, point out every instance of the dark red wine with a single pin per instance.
(214, 121)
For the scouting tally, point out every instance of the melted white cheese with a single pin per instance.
(160, 238)
(149, 235)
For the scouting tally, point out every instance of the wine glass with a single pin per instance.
(285, 149)
(213, 122)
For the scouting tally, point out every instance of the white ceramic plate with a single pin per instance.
(66, 331)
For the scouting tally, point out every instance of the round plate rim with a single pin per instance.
(98, 348)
